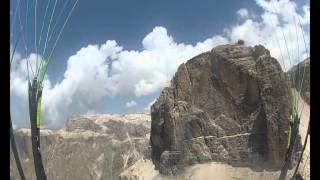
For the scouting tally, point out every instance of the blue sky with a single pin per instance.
(127, 22)
(164, 33)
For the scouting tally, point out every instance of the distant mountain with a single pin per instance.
(89, 147)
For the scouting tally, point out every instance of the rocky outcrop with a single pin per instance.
(143, 169)
(228, 105)
(90, 147)
(300, 75)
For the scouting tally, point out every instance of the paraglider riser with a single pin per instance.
(35, 130)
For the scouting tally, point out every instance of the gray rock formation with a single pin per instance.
(228, 105)
(90, 147)
(299, 72)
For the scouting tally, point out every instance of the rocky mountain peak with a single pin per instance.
(227, 105)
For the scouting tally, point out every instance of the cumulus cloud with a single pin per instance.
(281, 29)
(130, 104)
(19, 87)
(243, 13)
(103, 70)
(100, 70)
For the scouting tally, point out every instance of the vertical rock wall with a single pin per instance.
(231, 105)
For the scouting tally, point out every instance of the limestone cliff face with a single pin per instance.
(301, 72)
(228, 105)
(90, 147)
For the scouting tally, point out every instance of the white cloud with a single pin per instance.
(101, 70)
(131, 104)
(243, 13)
(147, 71)
(279, 30)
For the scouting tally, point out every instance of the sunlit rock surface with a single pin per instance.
(229, 105)
(90, 147)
